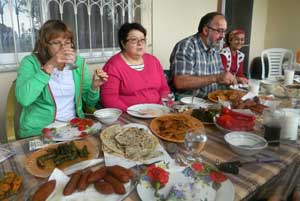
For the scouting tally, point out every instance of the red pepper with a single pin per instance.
(237, 115)
(229, 122)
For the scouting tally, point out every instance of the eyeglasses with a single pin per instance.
(220, 31)
(134, 41)
(60, 44)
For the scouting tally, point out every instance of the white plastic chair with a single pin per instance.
(275, 57)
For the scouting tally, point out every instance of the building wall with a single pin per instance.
(174, 20)
(283, 24)
(259, 26)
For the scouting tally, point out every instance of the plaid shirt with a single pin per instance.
(191, 57)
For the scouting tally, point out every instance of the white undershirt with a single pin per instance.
(63, 89)
(138, 67)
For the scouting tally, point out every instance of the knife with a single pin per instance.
(233, 166)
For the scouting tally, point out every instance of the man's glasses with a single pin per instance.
(134, 41)
(60, 44)
(220, 31)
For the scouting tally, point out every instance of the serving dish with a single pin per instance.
(225, 95)
(172, 127)
(31, 161)
(245, 143)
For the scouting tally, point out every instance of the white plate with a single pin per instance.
(241, 87)
(111, 159)
(199, 102)
(225, 192)
(64, 131)
(150, 110)
(297, 80)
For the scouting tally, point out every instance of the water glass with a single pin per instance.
(71, 66)
(194, 143)
(289, 76)
(167, 99)
(254, 86)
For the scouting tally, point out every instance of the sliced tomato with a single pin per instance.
(81, 127)
(89, 122)
(75, 121)
(47, 133)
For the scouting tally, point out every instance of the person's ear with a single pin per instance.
(123, 44)
(205, 31)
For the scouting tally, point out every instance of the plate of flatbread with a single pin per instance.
(172, 127)
(132, 142)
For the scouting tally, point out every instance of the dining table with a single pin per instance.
(253, 182)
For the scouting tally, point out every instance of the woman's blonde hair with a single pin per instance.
(50, 30)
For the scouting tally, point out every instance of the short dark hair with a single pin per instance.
(50, 30)
(206, 19)
(126, 28)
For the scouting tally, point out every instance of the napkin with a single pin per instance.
(90, 194)
(111, 159)
(249, 95)
(82, 165)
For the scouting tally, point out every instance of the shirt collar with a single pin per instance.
(211, 50)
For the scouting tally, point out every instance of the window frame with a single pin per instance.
(92, 56)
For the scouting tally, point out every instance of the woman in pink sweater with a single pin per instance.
(135, 77)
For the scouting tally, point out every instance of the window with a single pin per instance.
(94, 22)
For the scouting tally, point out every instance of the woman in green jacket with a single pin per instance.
(46, 90)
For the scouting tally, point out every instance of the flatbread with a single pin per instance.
(108, 138)
(132, 143)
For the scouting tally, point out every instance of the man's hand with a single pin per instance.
(242, 80)
(226, 78)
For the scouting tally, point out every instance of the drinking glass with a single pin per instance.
(194, 142)
(167, 99)
(70, 66)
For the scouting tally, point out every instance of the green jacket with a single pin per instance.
(35, 96)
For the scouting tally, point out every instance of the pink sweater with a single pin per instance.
(126, 86)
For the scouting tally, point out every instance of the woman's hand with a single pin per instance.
(99, 78)
(242, 80)
(63, 56)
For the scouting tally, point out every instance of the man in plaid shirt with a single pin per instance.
(196, 64)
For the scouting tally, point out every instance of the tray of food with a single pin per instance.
(111, 183)
(225, 95)
(10, 185)
(173, 127)
(131, 144)
(42, 162)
